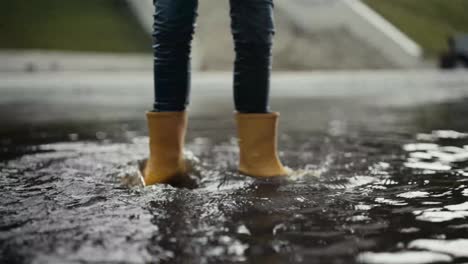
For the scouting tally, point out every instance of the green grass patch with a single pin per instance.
(79, 25)
(428, 22)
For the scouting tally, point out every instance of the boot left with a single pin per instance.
(257, 138)
(166, 162)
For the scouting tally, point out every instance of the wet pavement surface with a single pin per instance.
(381, 177)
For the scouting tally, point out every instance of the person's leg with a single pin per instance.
(253, 29)
(174, 22)
(167, 122)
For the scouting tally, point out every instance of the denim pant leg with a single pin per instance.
(252, 26)
(174, 22)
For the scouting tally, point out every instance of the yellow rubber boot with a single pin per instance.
(257, 135)
(166, 140)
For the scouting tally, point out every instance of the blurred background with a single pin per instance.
(311, 34)
(377, 129)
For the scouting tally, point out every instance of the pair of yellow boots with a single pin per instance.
(257, 135)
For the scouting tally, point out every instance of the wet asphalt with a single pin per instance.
(381, 161)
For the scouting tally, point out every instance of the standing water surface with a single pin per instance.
(381, 177)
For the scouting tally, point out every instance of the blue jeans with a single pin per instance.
(252, 28)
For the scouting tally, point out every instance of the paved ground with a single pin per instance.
(30, 61)
(89, 95)
(380, 160)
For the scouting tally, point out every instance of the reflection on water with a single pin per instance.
(436, 158)
(355, 199)
(456, 248)
(404, 257)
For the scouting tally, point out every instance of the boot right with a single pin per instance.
(257, 138)
(166, 162)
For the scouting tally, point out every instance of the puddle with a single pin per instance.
(358, 196)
